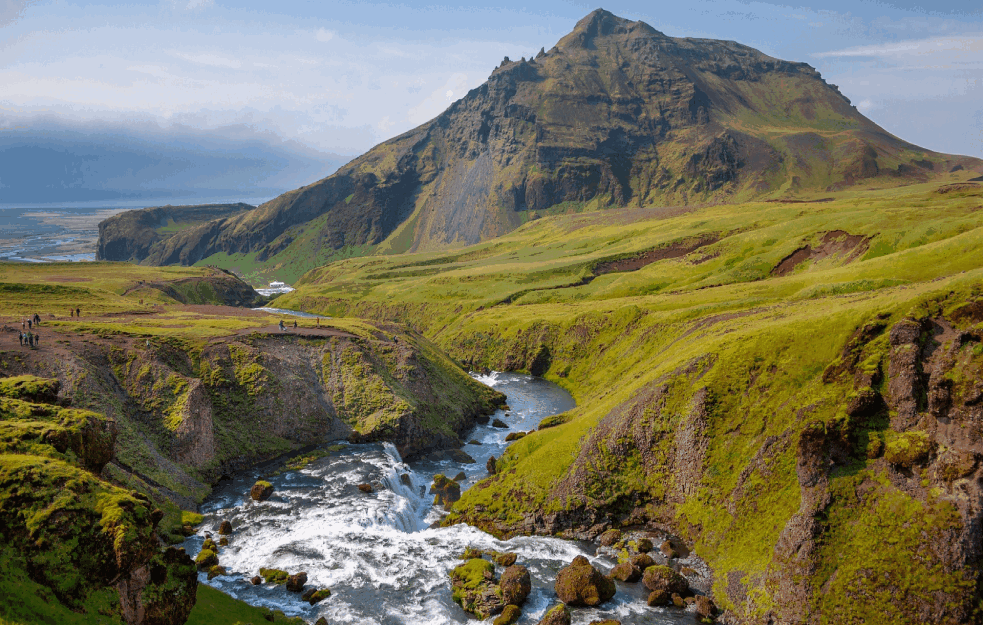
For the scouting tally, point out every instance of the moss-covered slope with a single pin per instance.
(74, 548)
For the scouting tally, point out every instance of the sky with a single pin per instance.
(337, 78)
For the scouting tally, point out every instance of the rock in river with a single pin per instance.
(580, 584)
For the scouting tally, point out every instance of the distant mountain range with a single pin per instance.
(615, 114)
(52, 162)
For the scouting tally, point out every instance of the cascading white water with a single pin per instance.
(376, 551)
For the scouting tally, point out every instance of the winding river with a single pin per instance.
(377, 552)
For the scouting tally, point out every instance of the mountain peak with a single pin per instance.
(601, 23)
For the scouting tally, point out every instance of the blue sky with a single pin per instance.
(340, 77)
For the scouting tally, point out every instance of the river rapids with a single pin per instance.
(377, 552)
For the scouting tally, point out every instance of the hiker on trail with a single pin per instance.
(71, 313)
(29, 324)
(23, 324)
(37, 319)
(317, 322)
(37, 340)
(295, 325)
(30, 339)
(78, 312)
(282, 329)
(20, 337)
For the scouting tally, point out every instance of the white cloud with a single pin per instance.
(323, 35)
(971, 45)
(209, 59)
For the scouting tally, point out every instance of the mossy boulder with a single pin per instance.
(365, 488)
(445, 490)
(658, 598)
(515, 584)
(225, 528)
(261, 491)
(164, 591)
(514, 436)
(506, 559)
(705, 608)
(610, 537)
(667, 550)
(664, 578)
(274, 576)
(906, 449)
(475, 590)
(209, 545)
(295, 582)
(498, 423)
(641, 560)
(314, 596)
(557, 615)
(510, 615)
(491, 465)
(580, 584)
(206, 559)
(626, 572)
(216, 570)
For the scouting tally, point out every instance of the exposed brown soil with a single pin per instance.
(643, 259)
(817, 201)
(959, 186)
(68, 279)
(833, 243)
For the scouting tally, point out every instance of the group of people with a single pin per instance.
(28, 336)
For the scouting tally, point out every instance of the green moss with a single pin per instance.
(30, 388)
(469, 576)
(274, 576)
(906, 449)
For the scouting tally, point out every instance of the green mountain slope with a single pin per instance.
(616, 114)
(793, 388)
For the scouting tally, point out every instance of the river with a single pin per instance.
(377, 552)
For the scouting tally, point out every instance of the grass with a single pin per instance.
(214, 607)
(712, 342)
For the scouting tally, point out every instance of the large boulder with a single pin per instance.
(557, 615)
(664, 578)
(445, 490)
(295, 583)
(510, 615)
(516, 584)
(475, 589)
(580, 584)
(261, 491)
(206, 559)
(225, 528)
(490, 465)
(610, 537)
(705, 608)
(626, 572)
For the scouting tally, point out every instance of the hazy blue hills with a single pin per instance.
(56, 163)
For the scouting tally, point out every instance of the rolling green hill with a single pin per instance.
(793, 387)
(616, 114)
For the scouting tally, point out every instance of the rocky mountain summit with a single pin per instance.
(616, 114)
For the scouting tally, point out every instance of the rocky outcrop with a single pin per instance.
(475, 590)
(515, 584)
(580, 584)
(445, 491)
(73, 534)
(132, 235)
(261, 491)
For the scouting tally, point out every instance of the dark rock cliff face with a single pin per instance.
(132, 234)
(616, 113)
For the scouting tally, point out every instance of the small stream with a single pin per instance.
(377, 552)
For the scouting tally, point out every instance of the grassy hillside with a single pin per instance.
(792, 387)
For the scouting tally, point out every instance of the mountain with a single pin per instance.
(616, 114)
